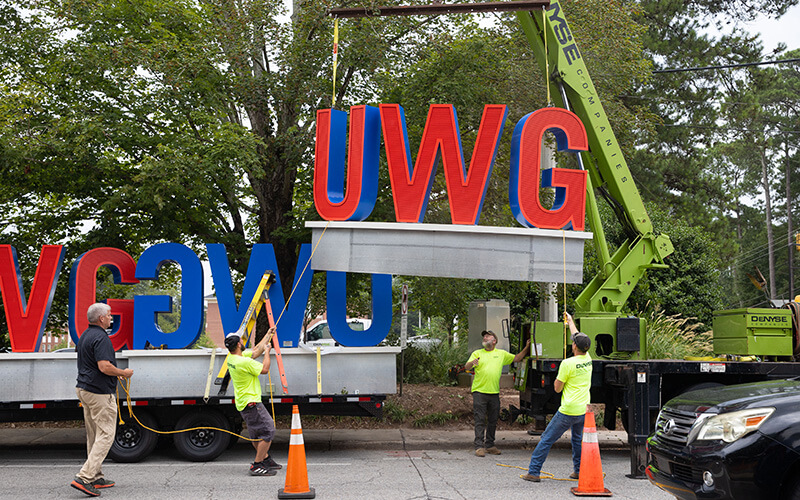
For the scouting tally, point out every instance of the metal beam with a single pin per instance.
(440, 9)
(449, 250)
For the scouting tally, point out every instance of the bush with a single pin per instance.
(431, 362)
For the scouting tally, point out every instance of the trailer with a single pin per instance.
(174, 389)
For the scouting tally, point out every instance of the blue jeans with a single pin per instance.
(555, 429)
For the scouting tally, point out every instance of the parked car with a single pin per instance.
(734, 442)
(320, 334)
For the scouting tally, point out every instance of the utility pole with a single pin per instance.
(791, 235)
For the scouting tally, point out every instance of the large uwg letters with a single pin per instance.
(441, 139)
(135, 320)
(339, 194)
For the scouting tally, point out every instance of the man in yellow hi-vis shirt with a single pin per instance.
(244, 370)
(573, 381)
(488, 363)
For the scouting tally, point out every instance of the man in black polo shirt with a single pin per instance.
(97, 382)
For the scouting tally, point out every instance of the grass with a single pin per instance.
(673, 337)
(393, 412)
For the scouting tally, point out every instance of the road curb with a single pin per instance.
(332, 439)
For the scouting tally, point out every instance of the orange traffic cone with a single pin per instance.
(590, 480)
(296, 471)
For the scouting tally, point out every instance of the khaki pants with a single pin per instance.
(100, 416)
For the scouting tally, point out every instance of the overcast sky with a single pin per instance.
(785, 29)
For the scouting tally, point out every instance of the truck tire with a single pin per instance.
(132, 442)
(202, 445)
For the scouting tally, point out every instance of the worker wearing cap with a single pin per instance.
(244, 371)
(488, 364)
(573, 381)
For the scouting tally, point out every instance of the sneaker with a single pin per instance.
(529, 477)
(259, 469)
(480, 452)
(103, 483)
(87, 488)
(272, 464)
(574, 475)
(493, 450)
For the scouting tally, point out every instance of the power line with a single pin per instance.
(724, 66)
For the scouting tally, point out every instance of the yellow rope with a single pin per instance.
(564, 255)
(543, 475)
(335, 57)
(546, 59)
(126, 383)
(313, 250)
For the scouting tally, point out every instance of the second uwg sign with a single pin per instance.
(339, 195)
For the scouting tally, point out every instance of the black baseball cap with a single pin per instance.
(582, 341)
(232, 340)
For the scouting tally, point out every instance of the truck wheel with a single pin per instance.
(132, 442)
(202, 445)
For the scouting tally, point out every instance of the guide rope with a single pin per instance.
(335, 57)
(543, 475)
(126, 382)
(546, 58)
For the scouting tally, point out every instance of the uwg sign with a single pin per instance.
(340, 197)
(339, 194)
(135, 321)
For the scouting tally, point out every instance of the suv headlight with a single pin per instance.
(730, 426)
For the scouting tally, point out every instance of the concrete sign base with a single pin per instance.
(449, 251)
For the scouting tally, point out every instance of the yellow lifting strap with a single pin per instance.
(261, 297)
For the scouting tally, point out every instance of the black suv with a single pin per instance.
(737, 442)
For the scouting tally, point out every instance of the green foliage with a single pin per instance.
(437, 418)
(689, 287)
(673, 337)
(394, 412)
(430, 364)
(203, 341)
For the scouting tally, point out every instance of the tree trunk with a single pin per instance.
(768, 213)
(739, 293)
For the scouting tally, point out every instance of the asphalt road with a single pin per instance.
(40, 473)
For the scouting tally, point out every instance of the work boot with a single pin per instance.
(574, 475)
(87, 488)
(480, 452)
(493, 450)
(529, 477)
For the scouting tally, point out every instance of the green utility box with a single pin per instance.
(760, 332)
